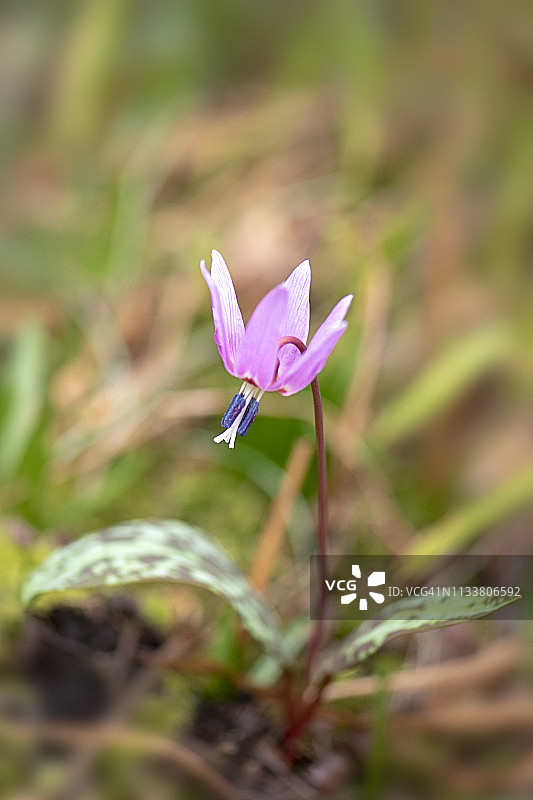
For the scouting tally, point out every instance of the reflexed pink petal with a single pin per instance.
(307, 366)
(222, 278)
(229, 327)
(297, 322)
(257, 356)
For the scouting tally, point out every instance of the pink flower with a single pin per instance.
(253, 353)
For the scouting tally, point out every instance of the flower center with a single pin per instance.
(240, 414)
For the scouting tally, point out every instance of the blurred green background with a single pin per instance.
(390, 143)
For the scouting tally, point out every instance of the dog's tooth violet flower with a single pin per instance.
(256, 353)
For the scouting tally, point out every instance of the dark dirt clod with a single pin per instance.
(78, 659)
(243, 742)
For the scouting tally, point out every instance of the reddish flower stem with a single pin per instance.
(318, 631)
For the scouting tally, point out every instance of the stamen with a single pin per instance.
(249, 415)
(240, 414)
(234, 409)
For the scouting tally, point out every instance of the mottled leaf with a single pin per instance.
(406, 616)
(167, 550)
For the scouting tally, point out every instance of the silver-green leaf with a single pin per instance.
(406, 616)
(166, 550)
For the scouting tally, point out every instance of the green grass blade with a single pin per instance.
(21, 397)
(439, 384)
(453, 533)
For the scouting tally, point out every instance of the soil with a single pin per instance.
(78, 660)
(243, 743)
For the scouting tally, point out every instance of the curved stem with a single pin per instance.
(318, 631)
